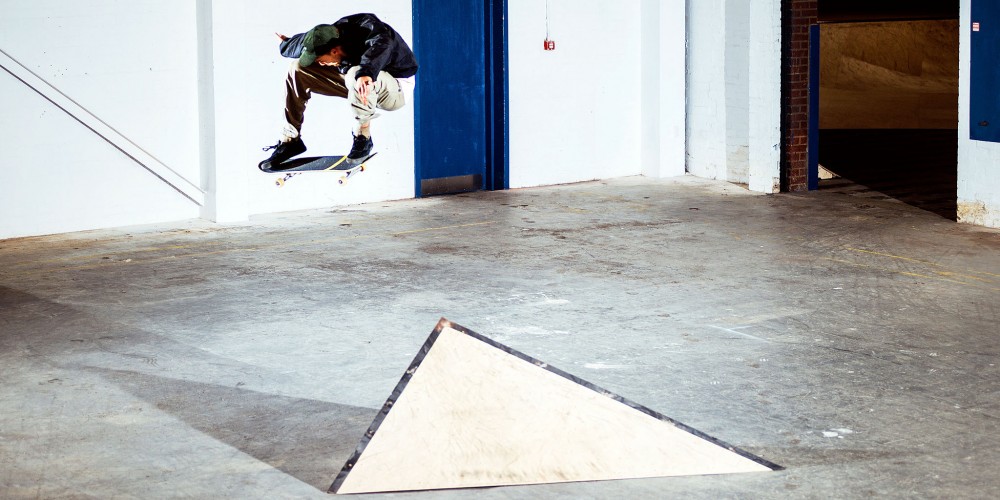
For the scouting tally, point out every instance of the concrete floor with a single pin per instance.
(855, 342)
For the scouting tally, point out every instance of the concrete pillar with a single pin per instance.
(737, 50)
(765, 95)
(706, 84)
(663, 93)
(978, 182)
(223, 156)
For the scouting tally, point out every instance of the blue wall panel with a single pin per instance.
(449, 41)
(984, 104)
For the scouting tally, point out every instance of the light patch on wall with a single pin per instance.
(978, 213)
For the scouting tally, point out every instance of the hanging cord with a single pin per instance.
(546, 20)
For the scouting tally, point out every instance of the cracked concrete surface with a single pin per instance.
(854, 342)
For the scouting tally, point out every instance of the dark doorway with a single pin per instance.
(888, 100)
(839, 11)
(460, 99)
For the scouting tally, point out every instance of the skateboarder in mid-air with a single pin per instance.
(359, 58)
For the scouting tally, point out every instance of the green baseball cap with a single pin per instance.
(315, 38)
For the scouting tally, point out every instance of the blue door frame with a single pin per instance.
(498, 116)
(460, 102)
(812, 149)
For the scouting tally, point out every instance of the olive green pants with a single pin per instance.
(301, 83)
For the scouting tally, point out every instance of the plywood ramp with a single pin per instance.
(470, 412)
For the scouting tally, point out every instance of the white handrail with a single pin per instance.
(102, 129)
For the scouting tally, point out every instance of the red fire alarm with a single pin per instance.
(550, 44)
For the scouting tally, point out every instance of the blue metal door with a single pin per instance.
(460, 98)
(984, 102)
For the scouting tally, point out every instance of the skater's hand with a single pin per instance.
(362, 86)
(282, 37)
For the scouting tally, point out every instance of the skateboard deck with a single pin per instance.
(295, 166)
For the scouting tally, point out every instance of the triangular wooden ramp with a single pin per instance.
(470, 412)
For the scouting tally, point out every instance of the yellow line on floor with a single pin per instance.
(928, 263)
(899, 257)
(911, 274)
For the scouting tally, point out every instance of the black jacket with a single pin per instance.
(369, 43)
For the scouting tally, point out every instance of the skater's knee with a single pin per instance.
(351, 76)
(292, 78)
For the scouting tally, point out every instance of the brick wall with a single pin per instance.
(796, 17)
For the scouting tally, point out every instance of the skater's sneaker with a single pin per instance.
(283, 151)
(361, 148)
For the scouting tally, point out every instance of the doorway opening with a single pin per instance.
(460, 101)
(888, 101)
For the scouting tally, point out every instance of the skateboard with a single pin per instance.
(295, 166)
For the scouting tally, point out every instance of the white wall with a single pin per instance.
(198, 85)
(575, 112)
(128, 64)
(734, 91)
(978, 161)
(765, 96)
(664, 70)
(737, 91)
(706, 103)
(249, 105)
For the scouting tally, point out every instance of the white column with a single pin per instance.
(663, 87)
(707, 121)
(737, 90)
(221, 97)
(765, 95)
(978, 183)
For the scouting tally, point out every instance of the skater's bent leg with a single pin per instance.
(302, 82)
(363, 110)
(390, 93)
(385, 94)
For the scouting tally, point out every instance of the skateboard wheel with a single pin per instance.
(362, 168)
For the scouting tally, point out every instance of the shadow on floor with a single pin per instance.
(307, 439)
(916, 167)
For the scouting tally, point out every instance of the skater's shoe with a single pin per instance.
(361, 148)
(283, 151)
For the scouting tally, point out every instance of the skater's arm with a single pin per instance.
(376, 57)
(291, 47)
(378, 52)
